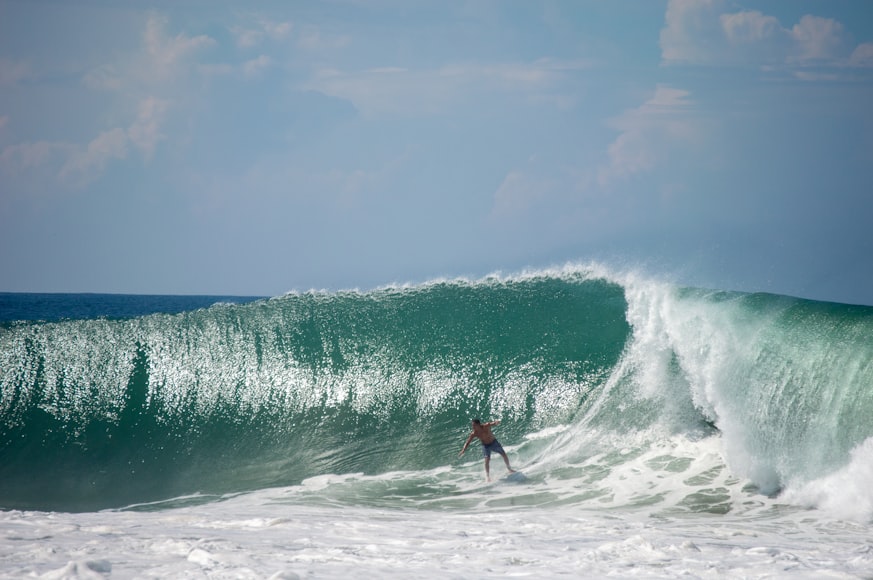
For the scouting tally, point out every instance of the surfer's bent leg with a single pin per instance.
(506, 461)
(496, 446)
(486, 452)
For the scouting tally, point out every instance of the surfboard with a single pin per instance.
(516, 477)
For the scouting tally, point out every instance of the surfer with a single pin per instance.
(482, 431)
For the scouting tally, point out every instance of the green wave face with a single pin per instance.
(596, 379)
(105, 413)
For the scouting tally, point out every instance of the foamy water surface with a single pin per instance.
(455, 525)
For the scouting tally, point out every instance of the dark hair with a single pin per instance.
(477, 421)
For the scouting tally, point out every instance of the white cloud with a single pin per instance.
(167, 52)
(692, 31)
(818, 39)
(579, 198)
(79, 164)
(145, 132)
(277, 30)
(862, 55)
(647, 132)
(168, 63)
(256, 66)
(162, 65)
(246, 37)
(253, 35)
(147, 82)
(707, 32)
(86, 163)
(749, 27)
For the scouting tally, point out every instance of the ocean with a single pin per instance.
(663, 431)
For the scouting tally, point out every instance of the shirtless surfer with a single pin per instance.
(482, 431)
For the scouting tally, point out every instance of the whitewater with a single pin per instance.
(663, 430)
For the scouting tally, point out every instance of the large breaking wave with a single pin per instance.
(587, 369)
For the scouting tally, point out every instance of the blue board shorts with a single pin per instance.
(493, 446)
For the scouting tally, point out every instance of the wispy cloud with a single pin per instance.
(692, 32)
(394, 90)
(84, 164)
(167, 53)
(145, 132)
(146, 83)
(708, 32)
(149, 85)
(254, 31)
(164, 59)
(862, 55)
(77, 165)
(259, 29)
(163, 63)
(647, 132)
(255, 66)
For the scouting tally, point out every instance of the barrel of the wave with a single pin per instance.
(785, 380)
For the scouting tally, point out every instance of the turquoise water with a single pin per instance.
(591, 374)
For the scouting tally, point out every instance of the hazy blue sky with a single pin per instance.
(256, 148)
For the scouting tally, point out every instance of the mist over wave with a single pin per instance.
(613, 390)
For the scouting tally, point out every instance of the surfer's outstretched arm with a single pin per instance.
(466, 444)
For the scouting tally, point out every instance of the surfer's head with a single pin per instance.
(477, 421)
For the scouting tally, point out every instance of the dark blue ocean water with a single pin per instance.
(17, 306)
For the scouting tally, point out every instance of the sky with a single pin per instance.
(214, 147)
